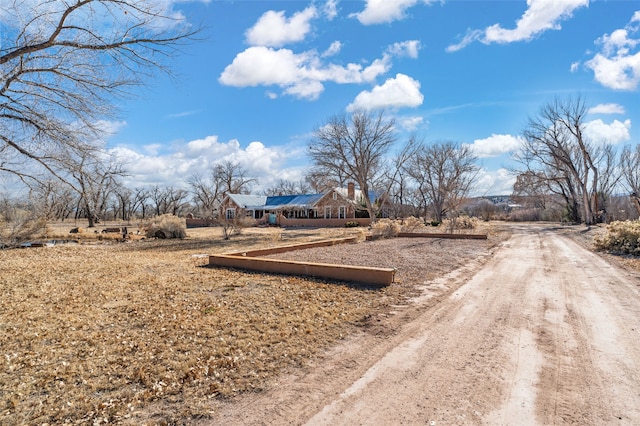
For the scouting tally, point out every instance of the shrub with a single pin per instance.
(351, 224)
(18, 226)
(621, 237)
(460, 223)
(385, 228)
(166, 226)
(231, 227)
(435, 223)
(411, 224)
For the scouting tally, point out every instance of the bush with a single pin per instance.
(621, 237)
(435, 223)
(351, 224)
(166, 226)
(18, 226)
(231, 227)
(385, 228)
(411, 224)
(461, 223)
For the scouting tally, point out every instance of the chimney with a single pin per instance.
(351, 191)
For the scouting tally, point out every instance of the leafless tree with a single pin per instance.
(530, 190)
(398, 185)
(209, 190)
(232, 178)
(444, 173)
(168, 200)
(355, 147)
(53, 199)
(287, 187)
(321, 180)
(95, 180)
(630, 168)
(62, 65)
(559, 154)
(206, 193)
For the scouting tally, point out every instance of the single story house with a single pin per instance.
(337, 203)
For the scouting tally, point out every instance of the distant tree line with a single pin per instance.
(65, 63)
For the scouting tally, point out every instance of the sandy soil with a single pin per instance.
(543, 332)
(141, 333)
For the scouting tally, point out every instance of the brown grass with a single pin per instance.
(142, 332)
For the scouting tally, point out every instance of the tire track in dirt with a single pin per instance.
(544, 332)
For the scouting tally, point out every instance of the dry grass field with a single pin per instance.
(143, 332)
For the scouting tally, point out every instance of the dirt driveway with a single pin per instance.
(544, 332)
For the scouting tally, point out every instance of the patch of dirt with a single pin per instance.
(142, 332)
(542, 332)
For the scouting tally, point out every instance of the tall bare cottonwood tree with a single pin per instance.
(354, 147)
(62, 64)
(444, 173)
(558, 152)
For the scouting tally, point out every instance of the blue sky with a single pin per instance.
(266, 73)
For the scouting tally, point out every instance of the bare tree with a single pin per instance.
(530, 190)
(138, 202)
(206, 193)
(63, 63)
(399, 181)
(226, 178)
(287, 187)
(95, 180)
(354, 147)
(232, 178)
(630, 168)
(168, 200)
(53, 199)
(559, 154)
(321, 180)
(444, 173)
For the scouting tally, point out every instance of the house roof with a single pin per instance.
(249, 201)
(292, 201)
(282, 202)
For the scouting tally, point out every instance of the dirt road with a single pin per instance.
(544, 332)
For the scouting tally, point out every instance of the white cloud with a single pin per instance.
(493, 182)
(333, 49)
(330, 9)
(407, 48)
(173, 168)
(411, 123)
(384, 11)
(181, 114)
(401, 91)
(496, 145)
(613, 133)
(574, 66)
(606, 109)
(108, 128)
(540, 16)
(616, 66)
(274, 29)
(300, 75)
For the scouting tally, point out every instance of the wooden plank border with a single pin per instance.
(251, 260)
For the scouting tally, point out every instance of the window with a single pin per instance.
(335, 195)
(342, 212)
(231, 213)
(327, 212)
